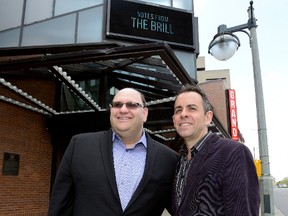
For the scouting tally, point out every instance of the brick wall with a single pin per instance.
(216, 93)
(24, 132)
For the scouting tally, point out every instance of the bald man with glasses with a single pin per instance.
(118, 172)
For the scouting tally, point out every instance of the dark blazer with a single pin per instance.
(85, 183)
(221, 180)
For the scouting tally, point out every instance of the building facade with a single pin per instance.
(61, 62)
(217, 86)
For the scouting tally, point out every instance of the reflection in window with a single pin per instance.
(90, 25)
(65, 6)
(10, 38)
(183, 4)
(185, 58)
(55, 31)
(43, 11)
(71, 102)
(10, 13)
(159, 2)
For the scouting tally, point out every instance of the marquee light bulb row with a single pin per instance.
(77, 88)
(172, 73)
(159, 101)
(26, 106)
(158, 135)
(27, 96)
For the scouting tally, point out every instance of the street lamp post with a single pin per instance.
(222, 47)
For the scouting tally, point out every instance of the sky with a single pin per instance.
(272, 33)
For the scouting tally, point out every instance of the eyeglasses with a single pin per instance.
(129, 105)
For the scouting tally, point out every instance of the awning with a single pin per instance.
(153, 69)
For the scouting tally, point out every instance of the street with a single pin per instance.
(281, 200)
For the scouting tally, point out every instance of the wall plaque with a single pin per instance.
(11, 164)
(145, 22)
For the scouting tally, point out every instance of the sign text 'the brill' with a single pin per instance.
(152, 25)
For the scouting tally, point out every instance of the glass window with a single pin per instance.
(183, 4)
(10, 38)
(90, 25)
(38, 10)
(65, 6)
(188, 60)
(10, 13)
(159, 2)
(71, 102)
(55, 31)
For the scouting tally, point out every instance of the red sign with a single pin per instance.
(233, 114)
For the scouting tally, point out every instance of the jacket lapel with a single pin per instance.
(195, 169)
(152, 151)
(107, 157)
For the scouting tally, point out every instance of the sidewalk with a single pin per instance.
(278, 212)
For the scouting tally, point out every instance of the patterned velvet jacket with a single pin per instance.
(221, 180)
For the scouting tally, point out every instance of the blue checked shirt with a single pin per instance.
(129, 166)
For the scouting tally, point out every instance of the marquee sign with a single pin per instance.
(137, 21)
(233, 114)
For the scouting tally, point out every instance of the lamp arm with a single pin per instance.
(250, 24)
(234, 28)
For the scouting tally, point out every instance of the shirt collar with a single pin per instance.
(196, 147)
(143, 139)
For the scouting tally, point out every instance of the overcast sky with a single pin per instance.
(272, 30)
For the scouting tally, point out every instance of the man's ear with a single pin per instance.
(209, 117)
(145, 110)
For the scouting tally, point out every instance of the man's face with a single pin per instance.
(190, 120)
(127, 120)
